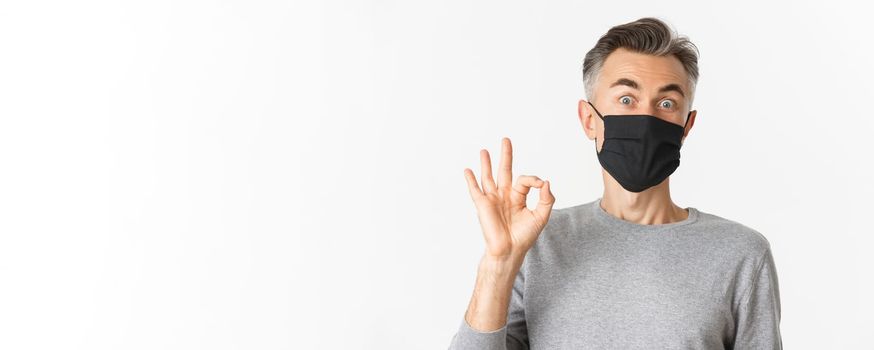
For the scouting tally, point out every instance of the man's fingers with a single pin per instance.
(486, 164)
(472, 187)
(505, 173)
(544, 205)
(522, 187)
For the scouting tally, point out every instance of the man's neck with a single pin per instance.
(649, 207)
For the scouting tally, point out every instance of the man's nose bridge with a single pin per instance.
(647, 109)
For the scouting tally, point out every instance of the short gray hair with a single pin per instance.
(648, 35)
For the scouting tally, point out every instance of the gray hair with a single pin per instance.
(648, 35)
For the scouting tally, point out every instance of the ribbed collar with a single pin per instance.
(624, 225)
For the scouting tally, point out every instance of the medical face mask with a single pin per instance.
(639, 150)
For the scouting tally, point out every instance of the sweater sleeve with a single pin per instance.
(512, 336)
(758, 314)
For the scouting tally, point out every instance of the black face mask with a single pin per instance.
(639, 150)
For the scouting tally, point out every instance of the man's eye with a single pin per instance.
(623, 100)
(668, 104)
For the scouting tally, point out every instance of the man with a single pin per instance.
(630, 270)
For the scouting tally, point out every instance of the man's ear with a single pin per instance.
(586, 120)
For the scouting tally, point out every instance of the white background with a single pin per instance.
(270, 175)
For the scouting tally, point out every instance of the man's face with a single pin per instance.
(635, 83)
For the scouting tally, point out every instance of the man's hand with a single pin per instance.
(509, 227)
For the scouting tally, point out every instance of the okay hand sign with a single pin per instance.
(509, 227)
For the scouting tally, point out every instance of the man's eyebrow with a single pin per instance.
(672, 87)
(627, 82)
(633, 84)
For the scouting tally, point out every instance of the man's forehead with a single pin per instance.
(647, 71)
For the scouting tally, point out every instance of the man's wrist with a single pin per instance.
(498, 267)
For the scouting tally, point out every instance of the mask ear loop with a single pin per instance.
(684, 126)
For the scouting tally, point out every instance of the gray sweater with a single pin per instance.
(594, 281)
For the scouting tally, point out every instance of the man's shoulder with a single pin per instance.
(566, 226)
(563, 219)
(731, 234)
(576, 212)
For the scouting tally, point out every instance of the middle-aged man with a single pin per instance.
(631, 269)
